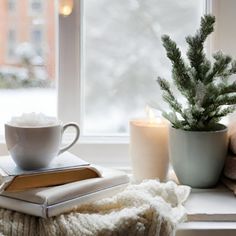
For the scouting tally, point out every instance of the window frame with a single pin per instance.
(112, 151)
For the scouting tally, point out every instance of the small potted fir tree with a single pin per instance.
(198, 142)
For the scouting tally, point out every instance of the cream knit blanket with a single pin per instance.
(149, 208)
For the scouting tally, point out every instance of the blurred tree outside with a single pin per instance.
(30, 73)
(27, 49)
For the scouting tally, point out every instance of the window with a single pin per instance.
(11, 5)
(92, 96)
(28, 68)
(11, 42)
(36, 6)
(37, 40)
(123, 54)
(78, 33)
(97, 146)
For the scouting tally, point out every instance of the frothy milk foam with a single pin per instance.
(33, 120)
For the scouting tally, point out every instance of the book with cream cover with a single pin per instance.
(51, 201)
(65, 168)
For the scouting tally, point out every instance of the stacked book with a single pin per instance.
(68, 182)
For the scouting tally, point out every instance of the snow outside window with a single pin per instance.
(123, 55)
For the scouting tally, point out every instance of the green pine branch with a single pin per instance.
(195, 53)
(204, 84)
(226, 89)
(225, 100)
(220, 67)
(179, 69)
(169, 96)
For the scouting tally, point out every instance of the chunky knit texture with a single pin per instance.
(149, 208)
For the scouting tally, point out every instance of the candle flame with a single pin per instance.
(151, 116)
(150, 113)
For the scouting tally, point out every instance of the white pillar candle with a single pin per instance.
(149, 149)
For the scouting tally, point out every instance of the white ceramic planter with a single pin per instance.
(197, 156)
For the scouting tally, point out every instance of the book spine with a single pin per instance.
(5, 182)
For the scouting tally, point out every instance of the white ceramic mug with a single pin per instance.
(35, 147)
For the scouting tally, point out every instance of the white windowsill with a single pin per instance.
(207, 229)
(210, 212)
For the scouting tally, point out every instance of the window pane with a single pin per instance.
(11, 41)
(11, 5)
(37, 40)
(27, 58)
(36, 5)
(123, 56)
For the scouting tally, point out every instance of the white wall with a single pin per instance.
(225, 35)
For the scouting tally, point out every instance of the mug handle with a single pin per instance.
(74, 125)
